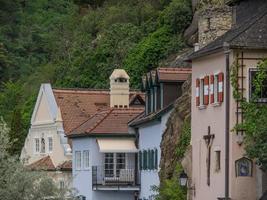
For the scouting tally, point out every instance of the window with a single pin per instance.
(201, 92)
(120, 163)
(50, 144)
(216, 88)
(61, 184)
(156, 158)
(217, 161)
(37, 145)
(86, 159)
(262, 96)
(109, 165)
(42, 145)
(140, 160)
(145, 160)
(78, 160)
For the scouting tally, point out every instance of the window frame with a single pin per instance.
(217, 161)
(250, 94)
(50, 148)
(35, 145)
(86, 160)
(76, 160)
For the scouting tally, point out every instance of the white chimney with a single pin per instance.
(119, 89)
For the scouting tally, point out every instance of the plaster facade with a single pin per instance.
(241, 188)
(150, 136)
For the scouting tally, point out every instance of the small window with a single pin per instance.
(262, 98)
(42, 145)
(50, 144)
(37, 145)
(217, 161)
(78, 160)
(201, 92)
(86, 159)
(61, 185)
(216, 88)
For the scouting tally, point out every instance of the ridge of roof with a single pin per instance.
(229, 36)
(151, 116)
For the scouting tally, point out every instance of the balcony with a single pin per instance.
(115, 179)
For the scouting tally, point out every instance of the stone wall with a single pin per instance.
(213, 22)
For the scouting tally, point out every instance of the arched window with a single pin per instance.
(42, 145)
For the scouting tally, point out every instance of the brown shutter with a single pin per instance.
(197, 92)
(211, 88)
(206, 90)
(221, 87)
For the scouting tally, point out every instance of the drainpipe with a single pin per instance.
(227, 117)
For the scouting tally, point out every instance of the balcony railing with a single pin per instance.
(115, 178)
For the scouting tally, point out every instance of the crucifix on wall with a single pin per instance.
(208, 140)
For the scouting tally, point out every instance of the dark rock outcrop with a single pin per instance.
(170, 138)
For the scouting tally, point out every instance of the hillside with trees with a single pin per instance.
(78, 43)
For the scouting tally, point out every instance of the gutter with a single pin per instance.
(227, 117)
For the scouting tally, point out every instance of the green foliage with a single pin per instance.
(171, 189)
(19, 183)
(177, 15)
(78, 43)
(17, 133)
(152, 49)
(255, 120)
(184, 140)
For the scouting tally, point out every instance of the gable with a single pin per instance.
(43, 114)
(45, 108)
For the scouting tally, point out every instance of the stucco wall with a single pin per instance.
(240, 187)
(82, 179)
(150, 136)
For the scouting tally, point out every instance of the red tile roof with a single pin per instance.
(45, 163)
(77, 105)
(110, 121)
(65, 166)
(173, 73)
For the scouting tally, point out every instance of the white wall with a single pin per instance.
(150, 136)
(82, 179)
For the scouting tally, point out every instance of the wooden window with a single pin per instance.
(156, 158)
(201, 92)
(140, 160)
(78, 160)
(152, 159)
(86, 159)
(262, 96)
(217, 161)
(145, 160)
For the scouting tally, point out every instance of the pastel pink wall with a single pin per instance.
(241, 188)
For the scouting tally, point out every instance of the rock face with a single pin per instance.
(211, 19)
(170, 138)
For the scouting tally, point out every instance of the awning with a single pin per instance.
(110, 145)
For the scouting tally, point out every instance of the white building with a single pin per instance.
(104, 149)
(162, 87)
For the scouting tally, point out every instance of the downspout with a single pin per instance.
(227, 117)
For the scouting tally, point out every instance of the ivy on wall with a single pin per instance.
(255, 115)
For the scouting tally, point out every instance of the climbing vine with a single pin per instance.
(255, 115)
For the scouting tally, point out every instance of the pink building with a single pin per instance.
(215, 111)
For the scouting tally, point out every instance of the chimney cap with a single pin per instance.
(119, 73)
